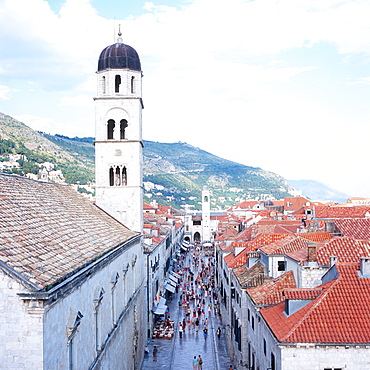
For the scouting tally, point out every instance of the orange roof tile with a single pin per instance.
(240, 259)
(344, 248)
(289, 244)
(272, 292)
(341, 212)
(339, 315)
(355, 228)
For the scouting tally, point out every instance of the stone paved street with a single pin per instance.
(178, 353)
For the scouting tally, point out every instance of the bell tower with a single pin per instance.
(206, 214)
(118, 135)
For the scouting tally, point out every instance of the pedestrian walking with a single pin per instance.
(205, 333)
(218, 333)
(146, 352)
(195, 363)
(180, 330)
(155, 353)
(200, 363)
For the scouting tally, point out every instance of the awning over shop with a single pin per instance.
(159, 310)
(161, 307)
(170, 288)
(171, 283)
(174, 279)
(175, 275)
(184, 248)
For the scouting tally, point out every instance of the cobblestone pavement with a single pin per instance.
(178, 353)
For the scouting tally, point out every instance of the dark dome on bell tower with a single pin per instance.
(119, 56)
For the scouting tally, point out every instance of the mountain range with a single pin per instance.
(173, 173)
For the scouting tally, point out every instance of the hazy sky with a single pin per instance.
(282, 85)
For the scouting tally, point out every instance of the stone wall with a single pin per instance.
(21, 344)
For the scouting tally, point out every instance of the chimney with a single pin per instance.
(333, 260)
(311, 246)
(365, 266)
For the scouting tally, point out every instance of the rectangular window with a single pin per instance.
(264, 347)
(281, 266)
(253, 322)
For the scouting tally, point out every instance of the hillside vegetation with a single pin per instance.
(174, 173)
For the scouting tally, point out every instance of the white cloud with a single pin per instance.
(6, 92)
(218, 75)
(77, 101)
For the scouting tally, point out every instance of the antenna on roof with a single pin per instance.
(119, 39)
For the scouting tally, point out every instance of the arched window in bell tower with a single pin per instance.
(117, 83)
(122, 128)
(111, 176)
(117, 178)
(111, 125)
(206, 198)
(124, 176)
(103, 85)
(132, 84)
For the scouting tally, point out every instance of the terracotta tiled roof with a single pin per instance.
(289, 244)
(47, 230)
(277, 222)
(345, 249)
(240, 259)
(317, 236)
(302, 293)
(300, 255)
(341, 212)
(265, 239)
(148, 207)
(293, 203)
(230, 232)
(271, 292)
(339, 315)
(354, 227)
(248, 204)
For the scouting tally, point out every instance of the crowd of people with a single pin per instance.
(197, 296)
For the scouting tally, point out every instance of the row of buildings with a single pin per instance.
(294, 281)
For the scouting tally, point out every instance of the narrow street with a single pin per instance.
(178, 353)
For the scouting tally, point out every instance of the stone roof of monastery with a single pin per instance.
(340, 314)
(48, 231)
(254, 276)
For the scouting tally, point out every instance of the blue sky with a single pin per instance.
(282, 85)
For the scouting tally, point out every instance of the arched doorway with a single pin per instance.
(197, 237)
